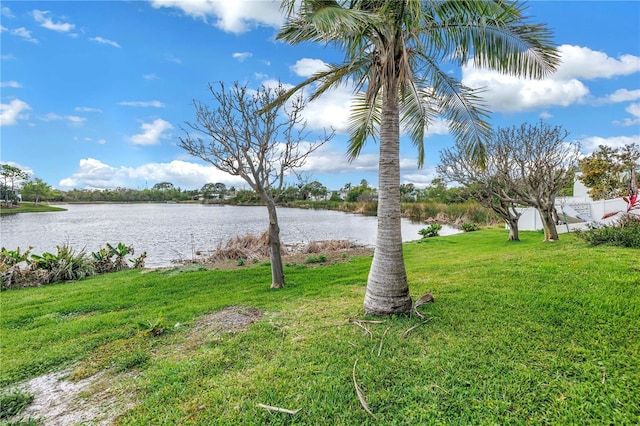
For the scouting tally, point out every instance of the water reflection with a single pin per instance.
(174, 231)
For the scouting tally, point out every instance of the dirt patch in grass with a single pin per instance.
(102, 398)
(97, 400)
(228, 320)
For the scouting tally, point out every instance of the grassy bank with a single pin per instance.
(520, 333)
(25, 207)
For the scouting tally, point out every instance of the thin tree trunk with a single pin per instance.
(548, 223)
(387, 288)
(277, 270)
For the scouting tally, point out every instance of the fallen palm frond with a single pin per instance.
(406, 333)
(366, 330)
(382, 340)
(363, 402)
(278, 409)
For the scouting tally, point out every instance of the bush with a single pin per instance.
(626, 233)
(65, 265)
(321, 258)
(24, 269)
(469, 227)
(432, 231)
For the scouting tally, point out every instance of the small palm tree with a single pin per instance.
(394, 54)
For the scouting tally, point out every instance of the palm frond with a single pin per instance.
(364, 122)
(494, 34)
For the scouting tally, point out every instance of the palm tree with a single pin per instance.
(395, 51)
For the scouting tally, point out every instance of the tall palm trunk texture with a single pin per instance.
(387, 287)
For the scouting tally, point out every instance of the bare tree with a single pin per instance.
(241, 137)
(536, 162)
(457, 165)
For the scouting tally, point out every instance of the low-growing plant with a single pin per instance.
(469, 227)
(113, 258)
(14, 257)
(152, 328)
(625, 233)
(241, 261)
(320, 258)
(65, 265)
(432, 230)
(12, 404)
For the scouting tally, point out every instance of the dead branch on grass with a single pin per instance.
(381, 340)
(406, 333)
(363, 402)
(366, 330)
(278, 409)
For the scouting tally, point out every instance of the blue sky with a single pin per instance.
(94, 93)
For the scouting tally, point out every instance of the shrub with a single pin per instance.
(113, 258)
(626, 233)
(65, 265)
(321, 258)
(469, 227)
(432, 231)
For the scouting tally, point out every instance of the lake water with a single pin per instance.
(173, 231)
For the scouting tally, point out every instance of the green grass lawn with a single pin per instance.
(26, 207)
(520, 333)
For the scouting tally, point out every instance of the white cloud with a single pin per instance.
(419, 177)
(93, 173)
(171, 58)
(327, 160)
(105, 41)
(584, 63)
(87, 109)
(8, 57)
(563, 88)
(623, 95)
(151, 132)
(331, 110)
(12, 84)
(634, 110)
(592, 143)
(545, 115)
(230, 16)
(306, 67)
(242, 56)
(41, 17)
(6, 12)
(73, 120)
(150, 77)
(24, 33)
(144, 104)
(13, 111)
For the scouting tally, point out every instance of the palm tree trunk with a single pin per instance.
(387, 288)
